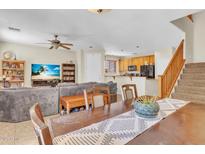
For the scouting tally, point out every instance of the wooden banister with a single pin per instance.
(190, 18)
(170, 75)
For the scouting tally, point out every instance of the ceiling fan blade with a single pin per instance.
(63, 46)
(51, 47)
(50, 41)
(42, 43)
(67, 44)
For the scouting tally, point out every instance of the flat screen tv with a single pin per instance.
(45, 71)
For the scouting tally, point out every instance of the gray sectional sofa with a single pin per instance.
(16, 102)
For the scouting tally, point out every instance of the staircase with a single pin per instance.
(191, 86)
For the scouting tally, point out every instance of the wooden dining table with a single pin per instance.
(185, 126)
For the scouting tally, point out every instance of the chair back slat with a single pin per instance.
(129, 91)
(86, 99)
(41, 129)
(98, 98)
(39, 112)
(103, 90)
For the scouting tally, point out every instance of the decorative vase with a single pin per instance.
(146, 107)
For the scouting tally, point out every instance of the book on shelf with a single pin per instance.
(13, 70)
(68, 72)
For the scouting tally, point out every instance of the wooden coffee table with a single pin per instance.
(70, 102)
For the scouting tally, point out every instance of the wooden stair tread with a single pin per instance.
(188, 97)
(190, 90)
(194, 65)
(200, 76)
(195, 70)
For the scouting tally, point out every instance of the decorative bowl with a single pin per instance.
(146, 107)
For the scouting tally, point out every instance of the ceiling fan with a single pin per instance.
(55, 43)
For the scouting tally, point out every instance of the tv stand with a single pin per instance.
(39, 83)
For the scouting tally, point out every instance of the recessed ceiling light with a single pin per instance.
(14, 29)
(99, 11)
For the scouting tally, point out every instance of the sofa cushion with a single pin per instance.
(112, 86)
(15, 103)
(75, 89)
(65, 84)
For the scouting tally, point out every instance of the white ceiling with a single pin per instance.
(114, 31)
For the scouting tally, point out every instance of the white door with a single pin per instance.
(93, 67)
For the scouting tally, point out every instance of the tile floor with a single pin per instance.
(21, 133)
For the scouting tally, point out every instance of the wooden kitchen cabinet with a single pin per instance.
(129, 61)
(121, 65)
(151, 60)
(125, 65)
(138, 61)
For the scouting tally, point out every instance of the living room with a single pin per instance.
(97, 81)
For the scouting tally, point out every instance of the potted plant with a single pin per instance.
(146, 106)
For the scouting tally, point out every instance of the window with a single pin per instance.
(110, 66)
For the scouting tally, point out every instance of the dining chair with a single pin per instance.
(86, 99)
(103, 90)
(41, 129)
(129, 91)
(98, 99)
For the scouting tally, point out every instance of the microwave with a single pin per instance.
(132, 68)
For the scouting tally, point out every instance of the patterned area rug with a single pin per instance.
(120, 129)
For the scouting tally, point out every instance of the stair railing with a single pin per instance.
(170, 75)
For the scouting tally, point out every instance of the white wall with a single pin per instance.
(199, 37)
(79, 66)
(188, 27)
(151, 87)
(194, 36)
(162, 59)
(38, 55)
(94, 69)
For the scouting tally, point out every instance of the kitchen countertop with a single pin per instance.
(130, 76)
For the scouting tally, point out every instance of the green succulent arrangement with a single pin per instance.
(147, 99)
(147, 106)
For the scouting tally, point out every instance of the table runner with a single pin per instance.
(119, 129)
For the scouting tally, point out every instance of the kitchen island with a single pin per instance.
(145, 86)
